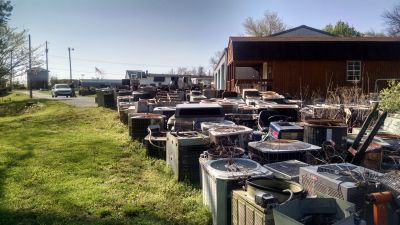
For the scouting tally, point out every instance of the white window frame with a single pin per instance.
(351, 70)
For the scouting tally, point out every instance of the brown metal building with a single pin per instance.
(305, 58)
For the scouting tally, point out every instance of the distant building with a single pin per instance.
(135, 74)
(220, 72)
(153, 79)
(38, 77)
(306, 59)
(100, 82)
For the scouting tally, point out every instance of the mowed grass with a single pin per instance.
(65, 165)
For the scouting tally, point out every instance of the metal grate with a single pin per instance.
(234, 211)
(259, 219)
(391, 181)
(249, 215)
(242, 212)
(315, 187)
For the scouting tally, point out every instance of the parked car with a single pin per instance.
(61, 90)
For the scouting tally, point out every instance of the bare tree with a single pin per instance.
(271, 23)
(184, 71)
(214, 59)
(200, 71)
(373, 33)
(392, 20)
(14, 44)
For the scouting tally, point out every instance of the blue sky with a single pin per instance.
(157, 35)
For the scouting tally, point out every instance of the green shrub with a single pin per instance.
(390, 97)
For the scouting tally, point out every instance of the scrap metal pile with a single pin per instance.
(262, 159)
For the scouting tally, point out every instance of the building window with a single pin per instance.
(353, 71)
(159, 79)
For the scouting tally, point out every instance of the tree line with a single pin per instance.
(272, 23)
(14, 50)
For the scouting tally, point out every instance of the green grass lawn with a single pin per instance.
(65, 165)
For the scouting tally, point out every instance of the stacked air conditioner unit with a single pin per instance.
(247, 109)
(105, 98)
(156, 142)
(281, 150)
(343, 181)
(183, 152)
(254, 206)
(271, 96)
(230, 135)
(219, 178)
(166, 111)
(235, 100)
(138, 124)
(287, 170)
(229, 107)
(285, 130)
(247, 212)
(123, 104)
(189, 116)
(137, 95)
(144, 105)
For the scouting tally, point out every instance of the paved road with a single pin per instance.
(79, 101)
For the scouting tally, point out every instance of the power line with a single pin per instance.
(119, 63)
(82, 71)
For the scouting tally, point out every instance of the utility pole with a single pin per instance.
(30, 73)
(70, 67)
(11, 71)
(47, 58)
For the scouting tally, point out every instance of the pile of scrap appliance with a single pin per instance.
(260, 158)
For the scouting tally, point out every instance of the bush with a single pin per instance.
(390, 97)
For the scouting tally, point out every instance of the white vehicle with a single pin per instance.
(61, 90)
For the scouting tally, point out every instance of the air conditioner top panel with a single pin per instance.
(236, 100)
(198, 105)
(235, 168)
(283, 106)
(282, 145)
(218, 131)
(210, 124)
(286, 125)
(147, 116)
(290, 168)
(164, 109)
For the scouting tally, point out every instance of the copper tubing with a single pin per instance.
(380, 201)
